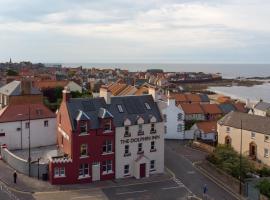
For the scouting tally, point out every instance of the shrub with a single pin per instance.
(264, 187)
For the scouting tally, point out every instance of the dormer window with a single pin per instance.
(147, 106)
(127, 133)
(120, 108)
(83, 127)
(107, 126)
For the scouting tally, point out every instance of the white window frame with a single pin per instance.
(126, 170)
(179, 117)
(120, 108)
(253, 135)
(179, 128)
(152, 165)
(147, 106)
(83, 124)
(153, 145)
(140, 147)
(46, 123)
(109, 124)
(83, 168)
(266, 152)
(107, 145)
(107, 165)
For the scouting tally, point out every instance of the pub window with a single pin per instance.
(107, 146)
(140, 147)
(84, 170)
(126, 169)
(152, 165)
(153, 147)
(107, 166)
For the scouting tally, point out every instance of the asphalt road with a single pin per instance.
(181, 165)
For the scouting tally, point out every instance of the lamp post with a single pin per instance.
(29, 140)
(240, 165)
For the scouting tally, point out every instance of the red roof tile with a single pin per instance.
(21, 112)
(211, 109)
(193, 108)
(207, 127)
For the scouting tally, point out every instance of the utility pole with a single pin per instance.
(29, 144)
(240, 166)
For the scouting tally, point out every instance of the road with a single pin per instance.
(178, 159)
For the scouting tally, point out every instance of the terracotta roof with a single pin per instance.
(194, 108)
(50, 84)
(141, 91)
(240, 107)
(193, 97)
(179, 97)
(207, 127)
(21, 112)
(211, 108)
(224, 99)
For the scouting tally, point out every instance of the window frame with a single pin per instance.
(120, 108)
(147, 106)
(84, 149)
(46, 123)
(152, 165)
(84, 167)
(126, 170)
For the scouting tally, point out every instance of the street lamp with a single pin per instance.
(29, 140)
(240, 165)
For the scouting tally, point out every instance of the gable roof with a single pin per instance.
(211, 108)
(193, 108)
(250, 122)
(95, 108)
(14, 89)
(208, 126)
(226, 107)
(50, 84)
(204, 98)
(263, 106)
(193, 98)
(21, 112)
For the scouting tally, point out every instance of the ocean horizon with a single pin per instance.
(227, 70)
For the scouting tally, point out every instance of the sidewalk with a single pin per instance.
(27, 184)
(24, 183)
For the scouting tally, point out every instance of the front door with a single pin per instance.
(142, 170)
(96, 171)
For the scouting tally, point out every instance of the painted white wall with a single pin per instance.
(158, 156)
(204, 136)
(172, 111)
(18, 139)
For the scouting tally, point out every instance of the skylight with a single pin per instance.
(147, 106)
(120, 108)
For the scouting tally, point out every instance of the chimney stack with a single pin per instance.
(153, 92)
(26, 86)
(66, 94)
(171, 100)
(105, 93)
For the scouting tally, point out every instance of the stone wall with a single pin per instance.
(22, 165)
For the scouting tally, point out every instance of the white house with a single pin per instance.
(261, 109)
(173, 117)
(16, 127)
(205, 131)
(139, 135)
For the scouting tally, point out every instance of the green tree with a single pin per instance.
(264, 187)
(11, 72)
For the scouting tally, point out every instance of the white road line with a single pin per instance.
(84, 197)
(168, 188)
(121, 193)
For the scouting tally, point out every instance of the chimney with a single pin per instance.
(171, 100)
(26, 86)
(66, 94)
(105, 93)
(153, 92)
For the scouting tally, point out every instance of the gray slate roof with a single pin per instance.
(95, 108)
(263, 106)
(250, 122)
(226, 107)
(14, 89)
(204, 97)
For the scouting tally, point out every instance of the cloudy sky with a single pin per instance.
(183, 31)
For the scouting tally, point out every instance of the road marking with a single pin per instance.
(175, 187)
(83, 197)
(140, 191)
(191, 172)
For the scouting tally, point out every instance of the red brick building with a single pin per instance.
(86, 138)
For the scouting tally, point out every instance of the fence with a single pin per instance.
(22, 166)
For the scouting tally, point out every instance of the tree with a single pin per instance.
(11, 72)
(264, 187)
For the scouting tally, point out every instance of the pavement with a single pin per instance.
(180, 181)
(180, 160)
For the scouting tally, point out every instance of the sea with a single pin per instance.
(254, 93)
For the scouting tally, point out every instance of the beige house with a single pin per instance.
(255, 134)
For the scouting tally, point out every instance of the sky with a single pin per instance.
(157, 31)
